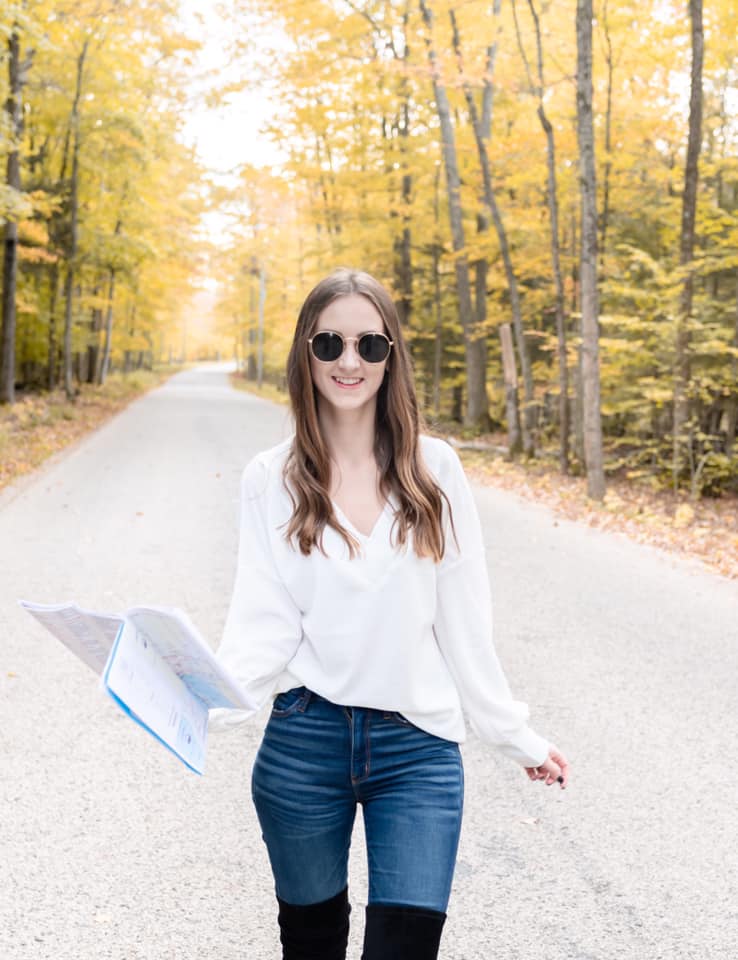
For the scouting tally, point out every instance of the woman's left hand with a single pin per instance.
(553, 769)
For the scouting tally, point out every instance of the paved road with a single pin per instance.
(111, 849)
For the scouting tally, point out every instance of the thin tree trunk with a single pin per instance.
(553, 211)
(510, 377)
(324, 194)
(102, 372)
(588, 270)
(94, 346)
(74, 227)
(577, 408)
(733, 399)
(14, 113)
(404, 249)
(481, 266)
(55, 279)
(260, 327)
(404, 264)
(529, 415)
(604, 219)
(337, 227)
(681, 429)
(480, 278)
(438, 339)
(128, 354)
(51, 371)
(477, 402)
(251, 364)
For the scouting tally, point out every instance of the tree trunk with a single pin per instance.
(477, 402)
(80, 365)
(529, 415)
(68, 357)
(681, 427)
(730, 428)
(403, 248)
(74, 227)
(332, 224)
(102, 372)
(538, 89)
(457, 406)
(55, 230)
(103, 365)
(52, 361)
(481, 266)
(251, 362)
(14, 112)
(588, 270)
(511, 391)
(608, 137)
(94, 351)
(260, 328)
(577, 405)
(561, 351)
(438, 339)
(438, 312)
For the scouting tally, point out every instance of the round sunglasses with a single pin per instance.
(328, 346)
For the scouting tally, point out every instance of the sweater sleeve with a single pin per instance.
(264, 625)
(463, 630)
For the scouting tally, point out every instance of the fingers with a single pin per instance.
(564, 767)
(562, 777)
(554, 769)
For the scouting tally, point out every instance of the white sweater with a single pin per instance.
(387, 630)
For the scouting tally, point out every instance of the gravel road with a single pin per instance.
(112, 849)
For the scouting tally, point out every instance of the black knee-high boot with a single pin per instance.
(396, 932)
(315, 931)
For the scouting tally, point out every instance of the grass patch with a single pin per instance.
(268, 391)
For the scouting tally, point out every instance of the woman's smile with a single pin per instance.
(348, 383)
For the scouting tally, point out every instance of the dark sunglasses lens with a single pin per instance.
(373, 347)
(327, 346)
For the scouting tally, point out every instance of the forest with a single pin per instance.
(549, 189)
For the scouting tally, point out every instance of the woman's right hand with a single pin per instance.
(554, 768)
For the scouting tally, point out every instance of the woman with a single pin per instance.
(362, 600)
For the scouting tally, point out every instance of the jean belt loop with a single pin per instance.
(307, 694)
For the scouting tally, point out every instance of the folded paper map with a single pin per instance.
(154, 665)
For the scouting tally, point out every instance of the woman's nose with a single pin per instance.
(350, 359)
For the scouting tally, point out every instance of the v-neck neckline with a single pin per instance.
(364, 536)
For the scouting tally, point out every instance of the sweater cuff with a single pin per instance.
(526, 747)
(224, 718)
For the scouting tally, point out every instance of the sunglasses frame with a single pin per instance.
(346, 340)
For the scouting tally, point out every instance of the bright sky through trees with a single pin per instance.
(229, 133)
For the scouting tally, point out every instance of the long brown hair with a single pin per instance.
(398, 423)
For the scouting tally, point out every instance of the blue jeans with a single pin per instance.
(316, 761)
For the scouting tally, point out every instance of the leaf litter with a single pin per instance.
(705, 530)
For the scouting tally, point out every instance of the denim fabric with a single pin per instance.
(317, 760)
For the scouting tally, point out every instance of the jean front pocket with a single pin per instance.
(287, 702)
